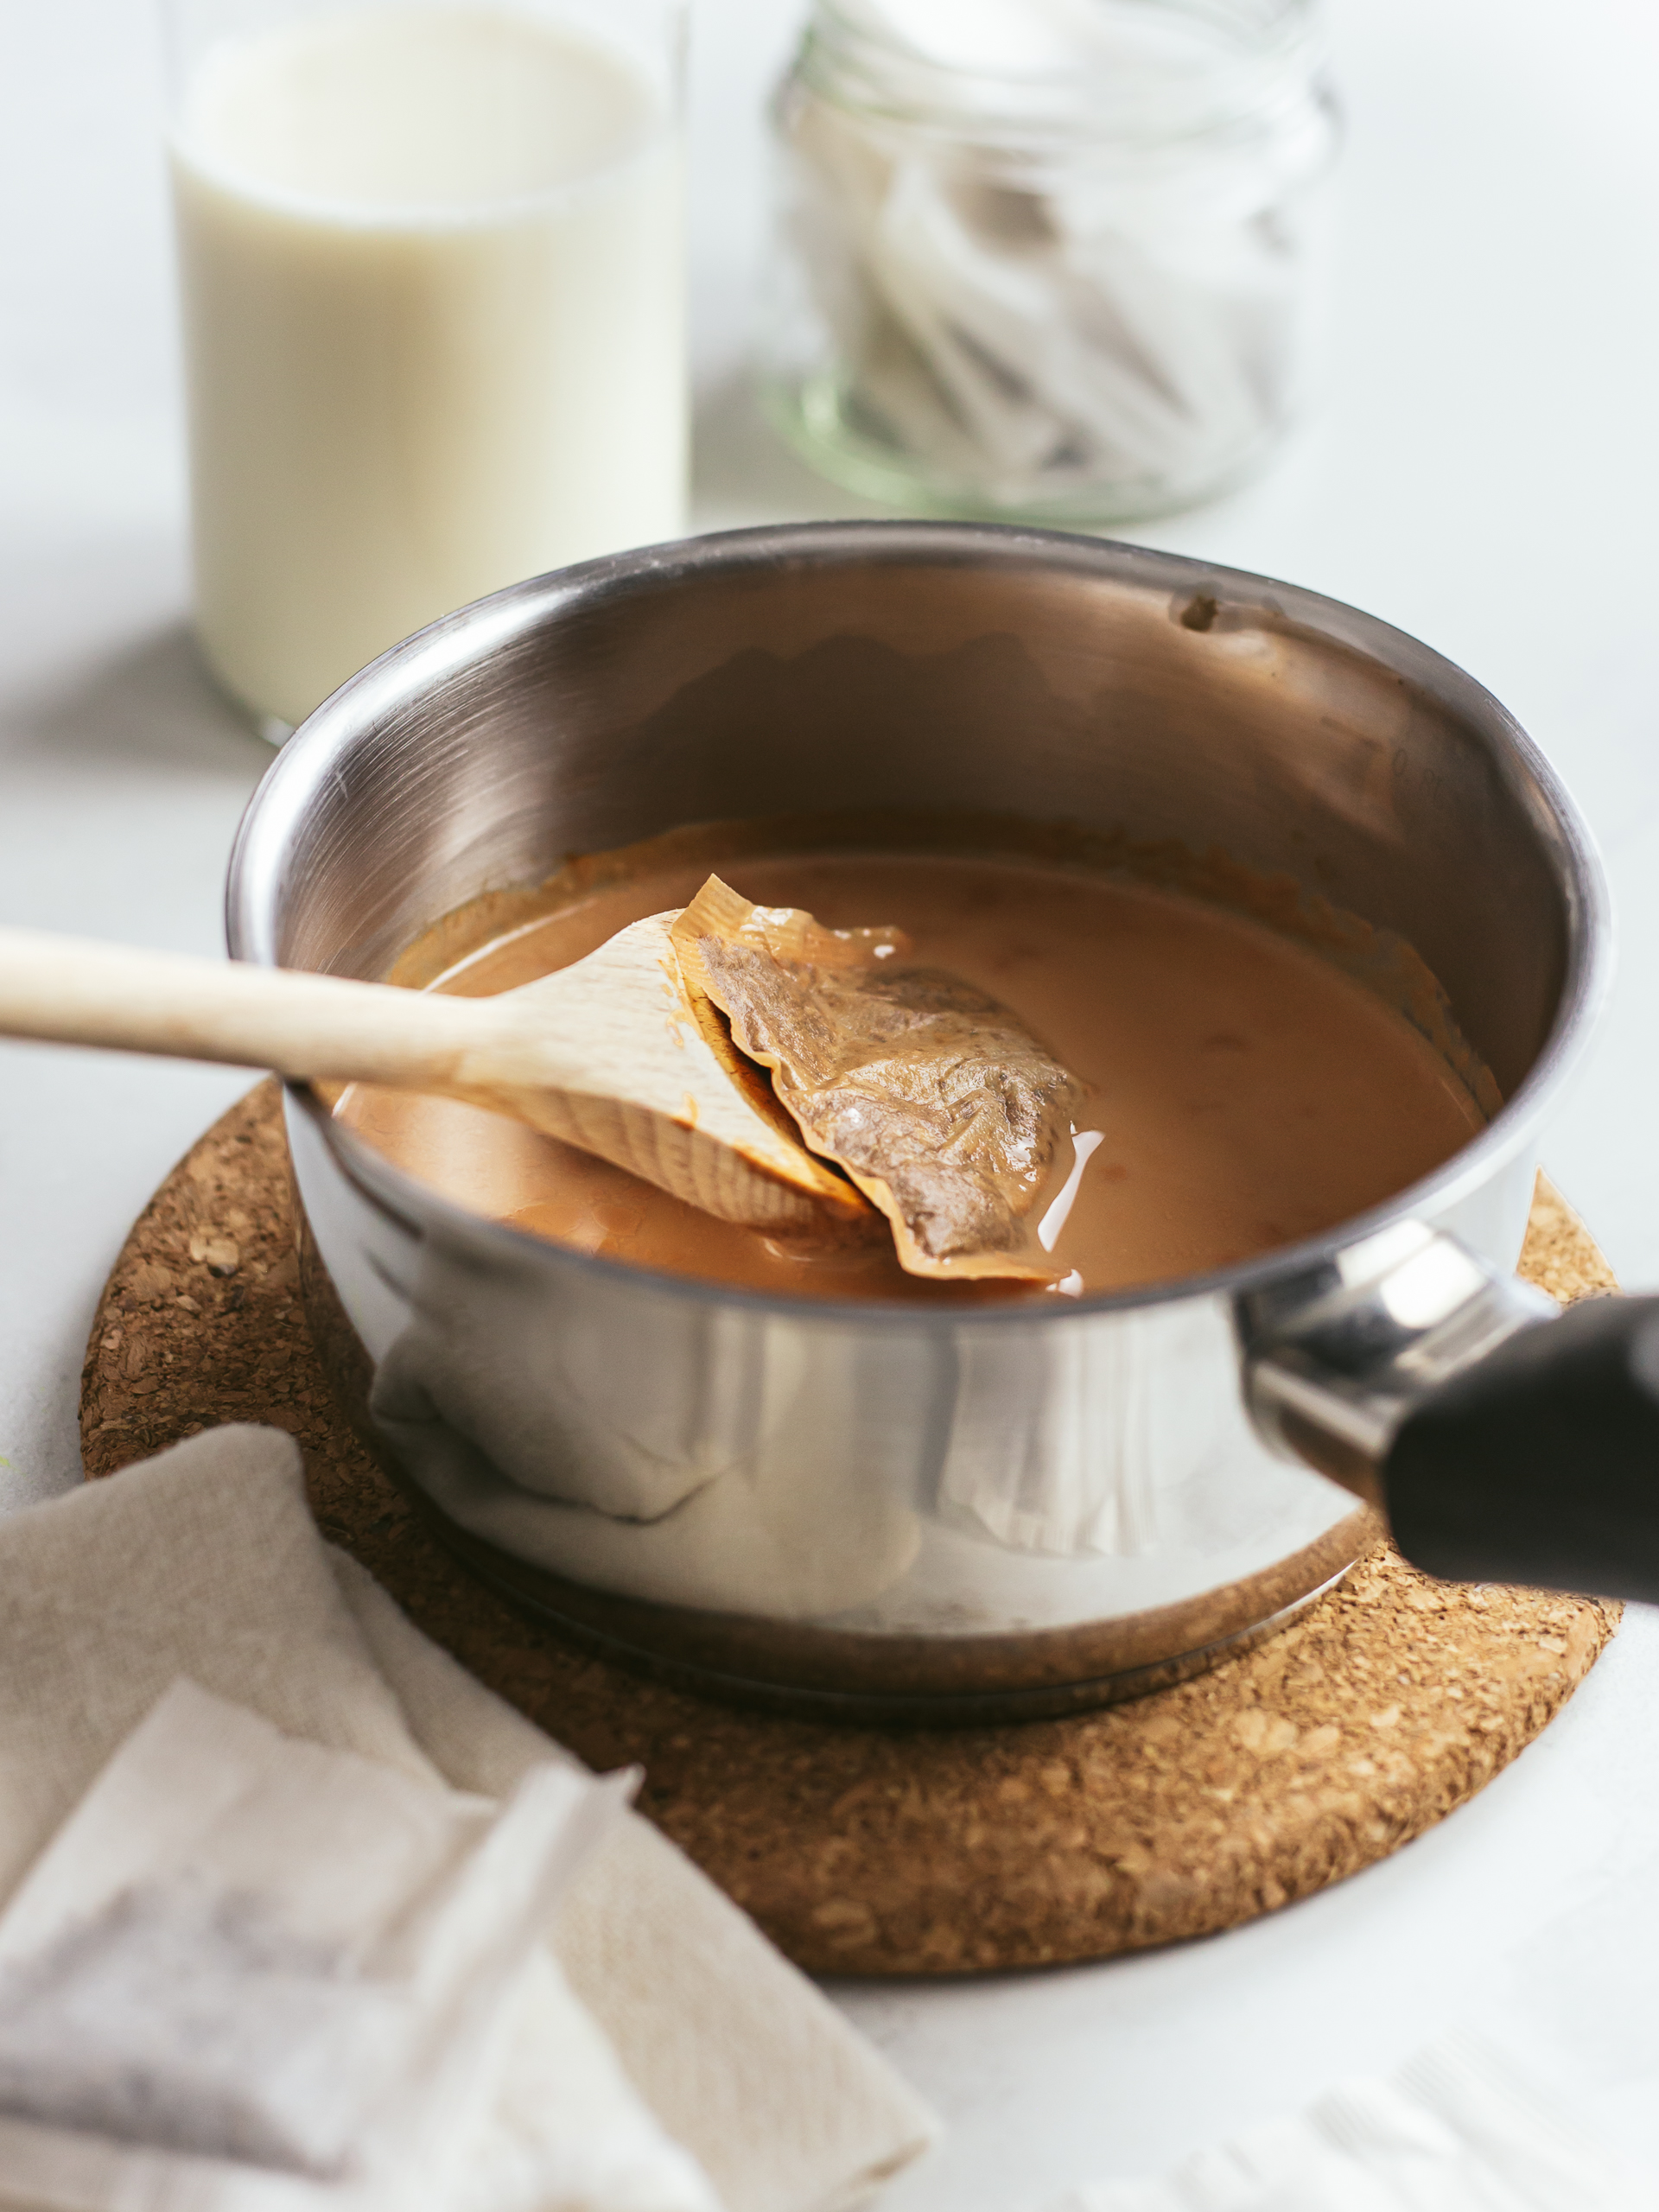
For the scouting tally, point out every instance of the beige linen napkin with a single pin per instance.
(205, 1562)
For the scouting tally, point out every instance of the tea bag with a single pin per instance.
(939, 1104)
(1541, 2096)
(252, 1971)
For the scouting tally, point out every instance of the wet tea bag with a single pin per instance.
(939, 1104)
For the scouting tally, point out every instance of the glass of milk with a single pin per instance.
(432, 270)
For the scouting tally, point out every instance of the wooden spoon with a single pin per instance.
(612, 1054)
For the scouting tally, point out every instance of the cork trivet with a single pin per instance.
(865, 1851)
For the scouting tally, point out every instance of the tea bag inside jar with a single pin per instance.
(931, 1094)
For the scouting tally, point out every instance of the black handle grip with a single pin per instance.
(1541, 1463)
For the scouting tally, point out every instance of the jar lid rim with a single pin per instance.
(848, 54)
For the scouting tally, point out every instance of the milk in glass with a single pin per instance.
(432, 274)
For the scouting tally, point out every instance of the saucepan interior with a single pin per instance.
(1137, 704)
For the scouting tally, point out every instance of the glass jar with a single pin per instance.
(1058, 259)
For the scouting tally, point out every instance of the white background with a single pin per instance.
(1484, 474)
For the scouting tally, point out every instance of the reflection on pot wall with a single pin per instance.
(919, 1475)
(666, 1448)
(1070, 1439)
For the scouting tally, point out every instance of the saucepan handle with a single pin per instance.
(1539, 1463)
(1504, 1442)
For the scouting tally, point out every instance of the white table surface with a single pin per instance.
(1484, 474)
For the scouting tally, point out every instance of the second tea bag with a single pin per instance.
(252, 1970)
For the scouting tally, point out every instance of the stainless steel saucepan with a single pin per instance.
(956, 1513)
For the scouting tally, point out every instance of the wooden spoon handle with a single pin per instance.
(325, 1028)
(79, 992)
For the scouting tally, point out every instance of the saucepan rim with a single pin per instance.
(259, 874)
